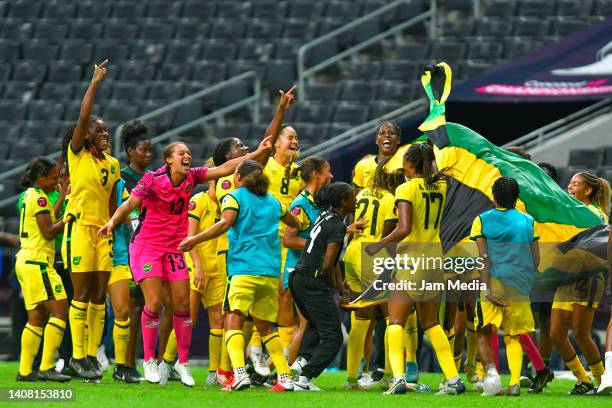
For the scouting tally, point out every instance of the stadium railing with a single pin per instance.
(304, 72)
(561, 126)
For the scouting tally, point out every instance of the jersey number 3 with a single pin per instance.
(104, 176)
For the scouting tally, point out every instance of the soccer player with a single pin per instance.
(508, 243)
(316, 277)
(376, 208)
(419, 203)
(208, 283)
(137, 146)
(574, 304)
(315, 172)
(163, 197)
(388, 139)
(251, 216)
(285, 185)
(605, 388)
(43, 293)
(592, 191)
(93, 177)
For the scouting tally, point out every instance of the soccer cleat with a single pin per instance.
(260, 365)
(491, 385)
(455, 388)
(377, 375)
(225, 377)
(541, 379)
(412, 372)
(605, 388)
(297, 366)
(525, 381)
(52, 375)
(282, 386)
(365, 382)
(240, 383)
(125, 374)
(69, 371)
(151, 373)
(304, 384)
(94, 366)
(134, 372)
(101, 357)
(397, 387)
(470, 371)
(81, 368)
(212, 378)
(422, 388)
(184, 371)
(583, 388)
(32, 377)
(163, 369)
(513, 390)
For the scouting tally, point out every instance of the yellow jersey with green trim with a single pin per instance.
(427, 202)
(364, 171)
(223, 186)
(600, 213)
(377, 207)
(34, 246)
(91, 183)
(206, 211)
(283, 188)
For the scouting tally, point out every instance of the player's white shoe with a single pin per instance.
(297, 366)
(365, 382)
(605, 388)
(260, 365)
(305, 384)
(241, 382)
(185, 372)
(102, 358)
(491, 384)
(151, 373)
(212, 378)
(163, 369)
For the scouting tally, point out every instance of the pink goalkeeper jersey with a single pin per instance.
(163, 221)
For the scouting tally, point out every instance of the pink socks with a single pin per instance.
(183, 328)
(532, 352)
(150, 325)
(495, 349)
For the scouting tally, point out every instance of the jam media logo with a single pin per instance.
(147, 267)
(76, 260)
(58, 288)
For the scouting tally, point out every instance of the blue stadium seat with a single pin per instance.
(5, 72)
(347, 10)
(573, 8)
(9, 50)
(121, 29)
(209, 72)
(94, 9)
(380, 108)
(515, 46)
(305, 9)
(16, 29)
(219, 51)
(188, 28)
(302, 29)
(308, 112)
(26, 151)
(50, 28)
(447, 51)
(499, 8)
(61, 71)
(129, 91)
(358, 91)
(76, 51)
(40, 51)
(530, 27)
(135, 71)
(367, 71)
(183, 51)
(164, 91)
(280, 74)
(273, 11)
(488, 27)
(565, 26)
(241, 66)
(20, 91)
(56, 92)
(350, 114)
(164, 9)
(25, 10)
(535, 8)
(198, 9)
(589, 158)
(413, 51)
(156, 29)
(112, 50)
(146, 52)
(401, 70)
(257, 50)
(173, 72)
(45, 110)
(233, 9)
(234, 93)
(607, 156)
(239, 130)
(488, 51)
(397, 91)
(129, 9)
(263, 29)
(458, 28)
(59, 9)
(120, 111)
(227, 29)
(87, 29)
(41, 131)
(29, 71)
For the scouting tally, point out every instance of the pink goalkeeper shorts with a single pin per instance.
(147, 262)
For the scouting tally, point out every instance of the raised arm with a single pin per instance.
(229, 166)
(80, 132)
(286, 99)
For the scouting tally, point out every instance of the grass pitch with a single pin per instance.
(109, 394)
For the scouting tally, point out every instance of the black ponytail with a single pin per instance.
(331, 196)
(421, 157)
(252, 176)
(40, 166)
(308, 166)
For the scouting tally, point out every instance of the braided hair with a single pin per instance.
(421, 157)
(600, 190)
(38, 167)
(252, 176)
(506, 192)
(331, 196)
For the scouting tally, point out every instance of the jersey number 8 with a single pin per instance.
(284, 186)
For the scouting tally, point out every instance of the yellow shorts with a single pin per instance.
(39, 282)
(213, 292)
(513, 320)
(222, 262)
(586, 292)
(352, 276)
(255, 295)
(84, 251)
(120, 272)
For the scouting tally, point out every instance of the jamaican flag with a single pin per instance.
(572, 238)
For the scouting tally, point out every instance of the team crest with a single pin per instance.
(226, 185)
(42, 202)
(147, 267)
(296, 211)
(188, 188)
(192, 205)
(58, 288)
(76, 260)
(112, 169)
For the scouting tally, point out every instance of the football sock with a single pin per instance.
(54, 333)
(356, 341)
(441, 346)
(274, 346)
(225, 364)
(514, 354)
(577, 369)
(396, 349)
(215, 339)
(387, 361)
(170, 353)
(411, 339)
(472, 341)
(495, 348)
(150, 326)
(234, 340)
(597, 370)
(77, 315)
(30, 342)
(286, 335)
(95, 327)
(183, 329)
(532, 353)
(121, 338)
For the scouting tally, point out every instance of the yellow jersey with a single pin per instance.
(427, 206)
(91, 184)
(600, 213)
(364, 171)
(223, 186)
(34, 246)
(283, 188)
(206, 211)
(377, 207)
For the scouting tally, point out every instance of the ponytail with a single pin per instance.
(421, 156)
(331, 196)
(601, 191)
(38, 167)
(252, 176)
(308, 166)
